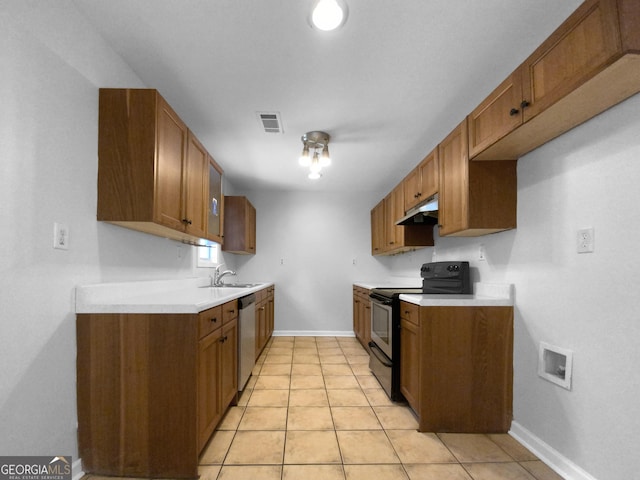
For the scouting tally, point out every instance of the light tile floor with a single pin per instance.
(313, 411)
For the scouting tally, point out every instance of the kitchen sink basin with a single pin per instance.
(233, 285)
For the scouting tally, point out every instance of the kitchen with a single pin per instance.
(583, 178)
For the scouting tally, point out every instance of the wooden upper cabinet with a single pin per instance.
(422, 182)
(239, 226)
(215, 203)
(499, 114)
(170, 159)
(377, 229)
(577, 50)
(394, 210)
(152, 171)
(196, 186)
(588, 64)
(475, 198)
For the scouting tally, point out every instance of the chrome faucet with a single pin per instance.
(216, 280)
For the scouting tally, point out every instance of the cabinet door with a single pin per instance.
(410, 363)
(196, 185)
(412, 184)
(394, 210)
(261, 327)
(251, 228)
(229, 363)
(500, 113)
(571, 55)
(270, 312)
(377, 229)
(429, 176)
(209, 409)
(454, 181)
(215, 204)
(170, 154)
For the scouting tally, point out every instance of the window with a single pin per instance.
(208, 255)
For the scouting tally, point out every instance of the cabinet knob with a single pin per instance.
(186, 221)
(513, 112)
(524, 104)
(214, 320)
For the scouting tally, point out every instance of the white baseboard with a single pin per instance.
(554, 459)
(76, 470)
(313, 333)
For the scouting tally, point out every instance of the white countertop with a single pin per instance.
(157, 296)
(485, 295)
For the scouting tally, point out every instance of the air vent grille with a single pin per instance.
(270, 122)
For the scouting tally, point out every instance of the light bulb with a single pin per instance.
(315, 164)
(314, 175)
(325, 159)
(327, 15)
(305, 158)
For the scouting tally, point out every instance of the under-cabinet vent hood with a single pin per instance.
(425, 213)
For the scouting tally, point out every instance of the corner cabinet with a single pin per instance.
(387, 238)
(239, 226)
(457, 367)
(152, 388)
(475, 198)
(153, 173)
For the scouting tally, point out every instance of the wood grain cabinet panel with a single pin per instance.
(590, 63)
(152, 171)
(422, 182)
(362, 316)
(151, 389)
(475, 198)
(239, 226)
(457, 368)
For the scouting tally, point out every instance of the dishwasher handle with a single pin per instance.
(246, 301)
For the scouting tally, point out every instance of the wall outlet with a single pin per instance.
(60, 236)
(585, 240)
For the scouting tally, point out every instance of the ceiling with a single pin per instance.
(387, 86)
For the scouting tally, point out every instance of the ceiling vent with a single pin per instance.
(270, 122)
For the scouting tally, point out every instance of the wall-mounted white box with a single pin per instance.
(555, 364)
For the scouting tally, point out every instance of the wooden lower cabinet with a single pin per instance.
(151, 389)
(457, 368)
(410, 356)
(362, 315)
(265, 302)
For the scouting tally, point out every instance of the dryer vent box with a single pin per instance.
(555, 364)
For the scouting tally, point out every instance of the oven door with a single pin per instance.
(381, 323)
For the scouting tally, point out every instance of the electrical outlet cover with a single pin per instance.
(585, 240)
(60, 236)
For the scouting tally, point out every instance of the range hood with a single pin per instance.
(425, 213)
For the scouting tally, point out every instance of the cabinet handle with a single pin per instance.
(513, 112)
(524, 104)
(223, 339)
(419, 194)
(231, 311)
(186, 221)
(213, 320)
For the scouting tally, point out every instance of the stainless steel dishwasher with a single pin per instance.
(247, 338)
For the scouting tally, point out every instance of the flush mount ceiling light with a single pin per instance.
(327, 15)
(315, 152)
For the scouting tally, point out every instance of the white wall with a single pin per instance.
(587, 303)
(306, 244)
(52, 65)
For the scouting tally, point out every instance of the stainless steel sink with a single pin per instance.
(233, 285)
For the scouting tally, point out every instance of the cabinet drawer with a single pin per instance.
(229, 311)
(209, 320)
(409, 312)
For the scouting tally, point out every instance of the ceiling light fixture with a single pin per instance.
(315, 152)
(327, 15)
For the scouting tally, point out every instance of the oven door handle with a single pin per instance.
(379, 354)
